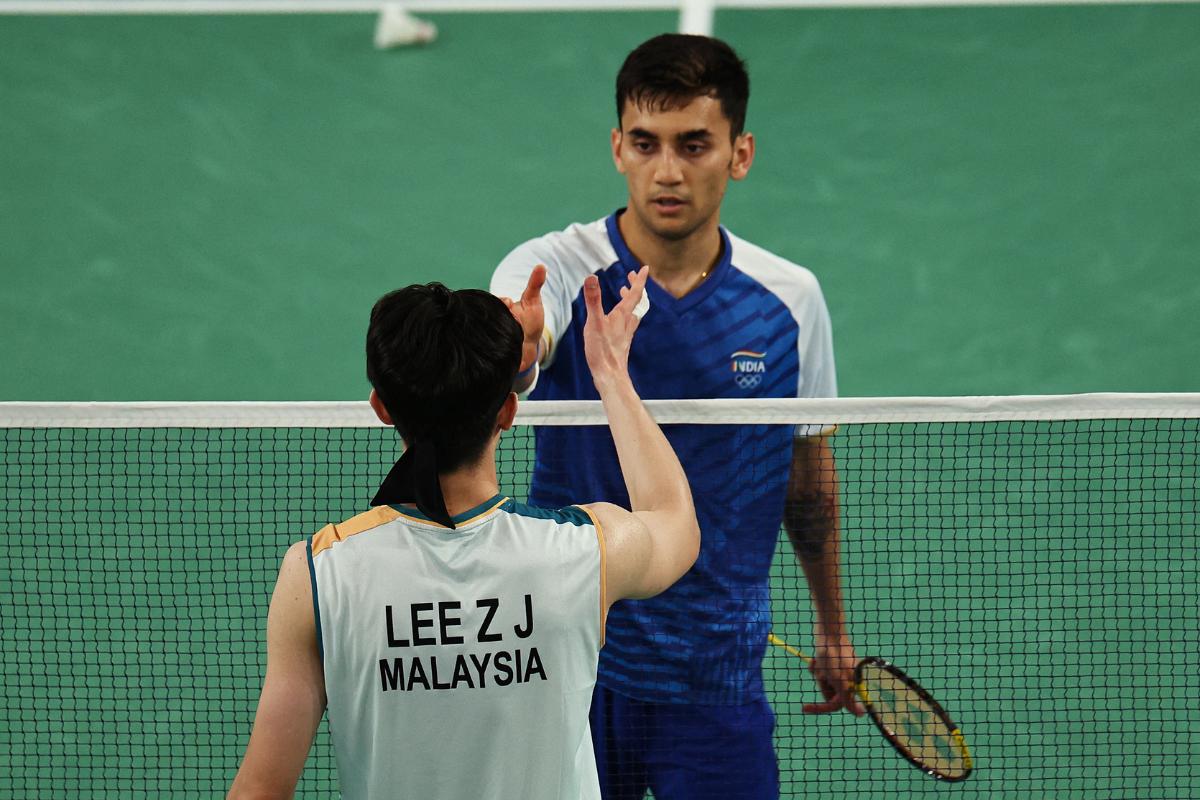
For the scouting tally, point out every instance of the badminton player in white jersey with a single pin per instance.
(452, 634)
(680, 705)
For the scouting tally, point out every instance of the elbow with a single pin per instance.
(673, 564)
(693, 527)
(692, 551)
(684, 550)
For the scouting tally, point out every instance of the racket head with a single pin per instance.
(912, 721)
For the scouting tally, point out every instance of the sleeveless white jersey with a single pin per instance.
(460, 663)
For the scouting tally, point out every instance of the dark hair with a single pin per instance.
(673, 69)
(443, 362)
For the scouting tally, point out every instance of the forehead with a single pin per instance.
(701, 113)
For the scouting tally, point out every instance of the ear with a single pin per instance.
(615, 144)
(743, 156)
(508, 412)
(380, 411)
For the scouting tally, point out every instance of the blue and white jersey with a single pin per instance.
(756, 327)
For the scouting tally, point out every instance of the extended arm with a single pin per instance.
(811, 519)
(293, 694)
(652, 546)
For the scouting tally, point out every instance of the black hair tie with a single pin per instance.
(414, 479)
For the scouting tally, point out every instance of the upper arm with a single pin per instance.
(639, 563)
(293, 694)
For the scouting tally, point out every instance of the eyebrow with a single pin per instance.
(687, 136)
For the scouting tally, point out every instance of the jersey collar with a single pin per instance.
(470, 515)
(658, 295)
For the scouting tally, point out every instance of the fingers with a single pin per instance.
(832, 700)
(842, 697)
(631, 295)
(847, 699)
(827, 707)
(591, 297)
(533, 289)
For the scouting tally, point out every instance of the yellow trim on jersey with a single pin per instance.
(603, 572)
(324, 538)
(457, 523)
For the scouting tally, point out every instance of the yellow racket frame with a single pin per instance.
(860, 689)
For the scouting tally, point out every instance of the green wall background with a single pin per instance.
(996, 200)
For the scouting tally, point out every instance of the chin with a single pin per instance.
(674, 230)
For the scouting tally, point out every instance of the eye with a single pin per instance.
(694, 148)
(643, 146)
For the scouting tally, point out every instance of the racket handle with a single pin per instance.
(775, 640)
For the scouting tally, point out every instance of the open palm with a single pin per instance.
(607, 337)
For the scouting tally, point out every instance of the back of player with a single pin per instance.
(470, 676)
(451, 633)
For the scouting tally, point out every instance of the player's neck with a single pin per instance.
(469, 486)
(677, 265)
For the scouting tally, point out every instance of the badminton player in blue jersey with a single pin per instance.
(680, 706)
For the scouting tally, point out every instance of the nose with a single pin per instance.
(668, 170)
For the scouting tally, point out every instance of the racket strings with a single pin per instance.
(914, 723)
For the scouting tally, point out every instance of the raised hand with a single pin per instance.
(607, 337)
(529, 313)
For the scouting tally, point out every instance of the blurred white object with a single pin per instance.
(696, 16)
(397, 28)
(642, 306)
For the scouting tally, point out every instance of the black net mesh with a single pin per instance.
(1038, 578)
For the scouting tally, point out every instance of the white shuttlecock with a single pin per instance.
(397, 28)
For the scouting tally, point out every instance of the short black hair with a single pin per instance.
(673, 69)
(443, 362)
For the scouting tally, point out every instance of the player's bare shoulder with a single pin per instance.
(627, 549)
(613, 520)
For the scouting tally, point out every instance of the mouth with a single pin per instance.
(668, 204)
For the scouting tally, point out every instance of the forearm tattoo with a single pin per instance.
(811, 521)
